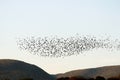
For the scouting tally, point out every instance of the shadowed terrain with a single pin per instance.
(18, 70)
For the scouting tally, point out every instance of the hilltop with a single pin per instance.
(18, 70)
(106, 71)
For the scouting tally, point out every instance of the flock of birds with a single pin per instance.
(62, 47)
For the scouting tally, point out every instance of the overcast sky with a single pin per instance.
(24, 18)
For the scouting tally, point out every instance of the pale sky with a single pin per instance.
(24, 18)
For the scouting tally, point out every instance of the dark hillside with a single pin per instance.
(16, 70)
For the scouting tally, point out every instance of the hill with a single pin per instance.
(18, 70)
(107, 71)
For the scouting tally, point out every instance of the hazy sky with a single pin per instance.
(24, 18)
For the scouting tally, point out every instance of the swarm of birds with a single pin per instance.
(62, 47)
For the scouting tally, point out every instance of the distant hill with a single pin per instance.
(107, 71)
(16, 70)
